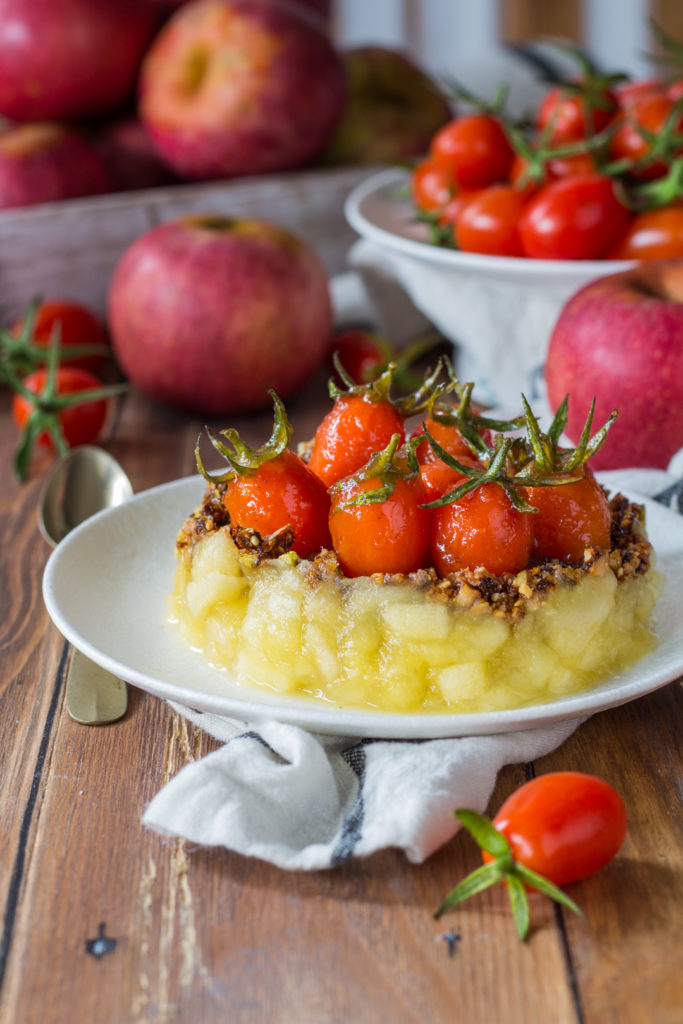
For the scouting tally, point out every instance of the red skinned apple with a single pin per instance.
(70, 58)
(130, 155)
(207, 313)
(44, 162)
(236, 87)
(620, 338)
(392, 111)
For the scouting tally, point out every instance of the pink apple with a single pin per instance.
(45, 162)
(392, 111)
(70, 58)
(235, 87)
(620, 338)
(207, 313)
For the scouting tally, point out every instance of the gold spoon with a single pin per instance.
(85, 481)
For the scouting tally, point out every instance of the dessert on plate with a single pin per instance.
(415, 556)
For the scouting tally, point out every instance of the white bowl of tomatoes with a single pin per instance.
(497, 227)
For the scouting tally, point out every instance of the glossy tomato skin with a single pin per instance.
(474, 150)
(78, 325)
(648, 114)
(431, 186)
(570, 117)
(355, 427)
(488, 223)
(652, 235)
(565, 825)
(81, 424)
(571, 518)
(575, 218)
(282, 492)
(387, 537)
(483, 528)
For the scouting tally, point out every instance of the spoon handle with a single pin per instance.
(93, 695)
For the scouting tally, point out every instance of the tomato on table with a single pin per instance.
(77, 324)
(474, 150)
(575, 218)
(80, 423)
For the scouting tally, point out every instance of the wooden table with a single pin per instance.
(105, 922)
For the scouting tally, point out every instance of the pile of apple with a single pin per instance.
(101, 96)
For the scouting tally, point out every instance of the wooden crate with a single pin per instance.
(70, 249)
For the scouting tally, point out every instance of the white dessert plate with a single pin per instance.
(105, 588)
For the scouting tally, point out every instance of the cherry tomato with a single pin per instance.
(78, 326)
(282, 492)
(474, 150)
(489, 222)
(391, 536)
(629, 91)
(80, 423)
(483, 528)
(576, 218)
(652, 235)
(431, 186)
(564, 825)
(356, 426)
(571, 115)
(449, 215)
(649, 114)
(363, 354)
(571, 517)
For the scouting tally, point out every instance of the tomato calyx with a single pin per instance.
(395, 462)
(654, 195)
(379, 389)
(242, 459)
(504, 867)
(547, 455)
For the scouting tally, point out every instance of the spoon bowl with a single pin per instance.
(85, 481)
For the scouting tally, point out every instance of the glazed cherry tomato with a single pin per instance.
(80, 423)
(474, 150)
(483, 528)
(488, 224)
(431, 186)
(652, 235)
(565, 825)
(282, 492)
(78, 325)
(573, 114)
(576, 218)
(391, 536)
(570, 518)
(355, 427)
(647, 116)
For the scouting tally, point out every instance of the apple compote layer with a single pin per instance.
(472, 642)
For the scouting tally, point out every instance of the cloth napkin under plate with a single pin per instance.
(305, 801)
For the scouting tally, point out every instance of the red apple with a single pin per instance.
(207, 313)
(620, 338)
(392, 111)
(70, 58)
(45, 162)
(235, 87)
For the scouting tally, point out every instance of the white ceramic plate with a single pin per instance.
(378, 210)
(105, 588)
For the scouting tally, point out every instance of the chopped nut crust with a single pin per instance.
(506, 595)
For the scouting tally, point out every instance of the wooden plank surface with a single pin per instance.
(189, 934)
